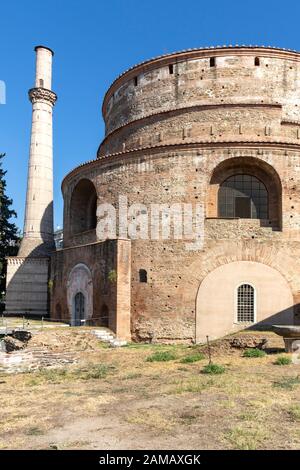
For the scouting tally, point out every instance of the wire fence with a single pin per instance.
(24, 322)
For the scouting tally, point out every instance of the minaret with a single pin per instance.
(38, 224)
(28, 273)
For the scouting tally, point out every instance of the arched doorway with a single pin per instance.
(79, 309)
(80, 284)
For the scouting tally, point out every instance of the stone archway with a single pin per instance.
(83, 207)
(80, 281)
(217, 297)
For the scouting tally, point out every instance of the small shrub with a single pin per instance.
(161, 356)
(253, 352)
(213, 369)
(192, 358)
(283, 361)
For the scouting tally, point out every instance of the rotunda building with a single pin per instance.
(187, 223)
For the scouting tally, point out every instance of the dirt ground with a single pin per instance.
(117, 399)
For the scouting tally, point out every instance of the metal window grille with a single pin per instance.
(245, 303)
(243, 187)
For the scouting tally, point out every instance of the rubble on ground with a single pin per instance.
(9, 344)
(235, 344)
(246, 342)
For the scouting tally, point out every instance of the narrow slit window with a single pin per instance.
(143, 275)
(171, 69)
(212, 62)
(135, 81)
(256, 61)
(245, 304)
(41, 83)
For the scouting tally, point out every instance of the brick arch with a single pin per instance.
(216, 314)
(252, 166)
(244, 250)
(83, 207)
(212, 257)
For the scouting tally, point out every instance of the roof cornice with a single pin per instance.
(178, 146)
(201, 52)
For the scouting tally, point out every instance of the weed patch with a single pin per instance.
(161, 356)
(283, 361)
(254, 353)
(192, 358)
(213, 369)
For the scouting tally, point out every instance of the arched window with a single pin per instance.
(245, 304)
(243, 196)
(83, 207)
(143, 275)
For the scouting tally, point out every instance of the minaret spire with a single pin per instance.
(38, 225)
(28, 273)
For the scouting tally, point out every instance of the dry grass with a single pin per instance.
(115, 398)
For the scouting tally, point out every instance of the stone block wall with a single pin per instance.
(27, 286)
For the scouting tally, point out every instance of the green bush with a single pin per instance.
(213, 369)
(254, 353)
(283, 361)
(192, 358)
(161, 356)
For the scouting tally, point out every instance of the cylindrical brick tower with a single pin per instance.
(38, 224)
(217, 129)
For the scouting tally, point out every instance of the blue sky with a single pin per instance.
(94, 41)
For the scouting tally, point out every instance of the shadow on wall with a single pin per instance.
(44, 245)
(288, 316)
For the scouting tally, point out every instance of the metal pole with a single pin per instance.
(208, 347)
